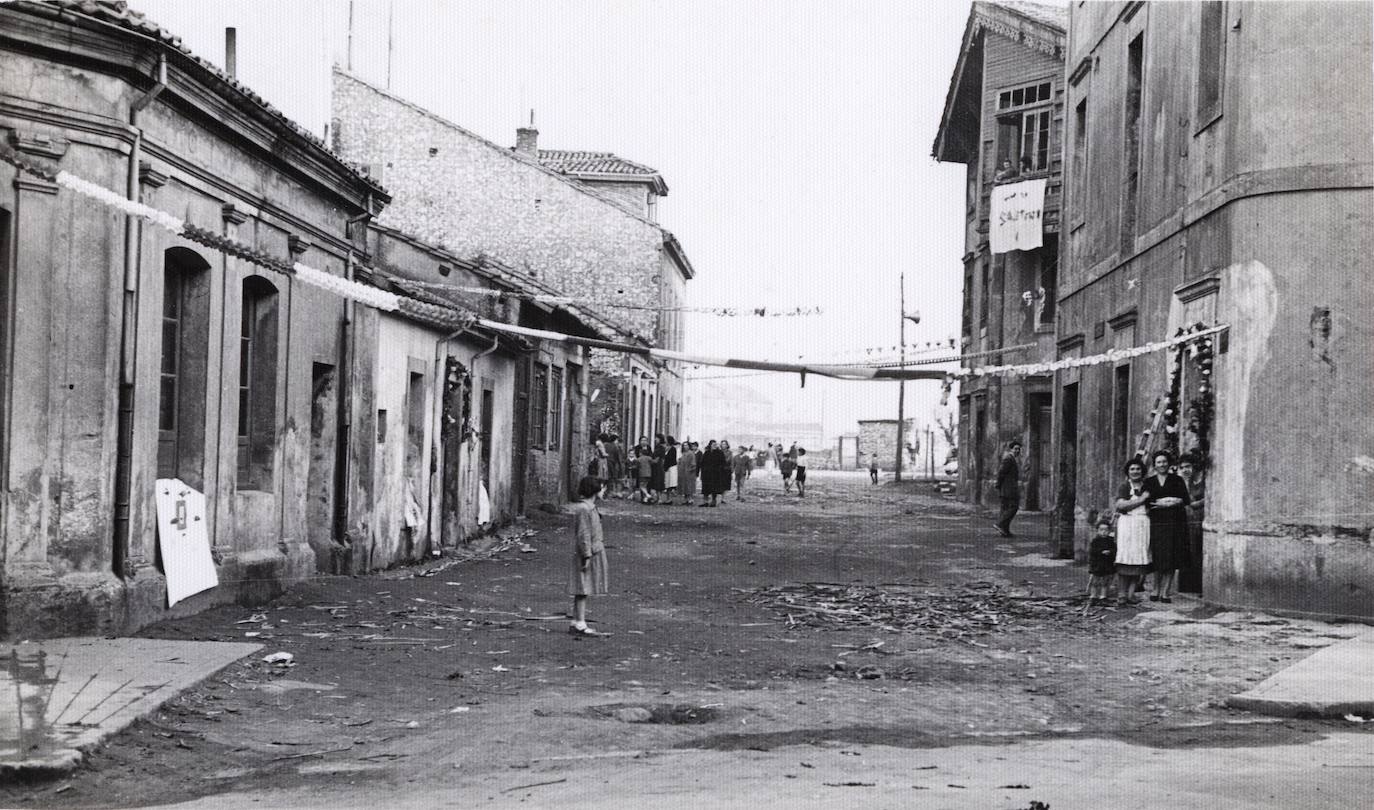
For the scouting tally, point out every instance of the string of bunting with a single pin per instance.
(380, 299)
(362, 293)
(546, 298)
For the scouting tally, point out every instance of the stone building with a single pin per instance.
(880, 436)
(132, 355)
(1003, 119)
(572, 223)
(1219, 169)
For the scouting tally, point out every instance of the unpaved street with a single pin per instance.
(851, 649)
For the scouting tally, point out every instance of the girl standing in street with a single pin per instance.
(1132, 532)
(1168, 525)
(588, 576)
(687, 472)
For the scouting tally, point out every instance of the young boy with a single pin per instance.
(1101, 560)
(801, 472)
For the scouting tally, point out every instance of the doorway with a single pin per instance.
(1065, 507)
(980, 432)
(320, 481)
(456, 411)
(1039, 420)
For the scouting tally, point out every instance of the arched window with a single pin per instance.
(257, 383)
(182, 370)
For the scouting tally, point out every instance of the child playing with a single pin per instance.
(801, 472)
(873, 467)
(588, 575)
(787, 465)
(645, 466)
(743, 465)
(1101, 561)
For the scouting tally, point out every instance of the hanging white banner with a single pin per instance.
(1017, 210)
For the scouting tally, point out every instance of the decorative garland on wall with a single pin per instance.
(1164, 432)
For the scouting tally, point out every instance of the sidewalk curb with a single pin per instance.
(71, 694)
(1331, 683)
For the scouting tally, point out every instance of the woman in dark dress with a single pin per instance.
(1168, 525)
(1190, 470)
(713, 470)
(656, 471)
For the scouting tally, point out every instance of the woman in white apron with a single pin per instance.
(1132, 533)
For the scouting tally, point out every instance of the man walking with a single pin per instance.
(1009, 488)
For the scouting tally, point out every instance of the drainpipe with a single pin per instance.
(128, 338)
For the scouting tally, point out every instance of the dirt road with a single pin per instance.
(781, 640)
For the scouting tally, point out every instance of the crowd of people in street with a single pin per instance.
(668, 472)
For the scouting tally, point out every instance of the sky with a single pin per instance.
(794, 136)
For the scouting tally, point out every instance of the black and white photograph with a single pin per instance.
(722, 404)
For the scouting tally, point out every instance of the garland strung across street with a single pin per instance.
(391, 302)
(547, 298)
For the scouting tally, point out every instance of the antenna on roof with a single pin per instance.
(531, 119)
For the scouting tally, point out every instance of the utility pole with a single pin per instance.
(901, 384)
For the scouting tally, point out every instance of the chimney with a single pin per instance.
(527, 139)
(231, 52)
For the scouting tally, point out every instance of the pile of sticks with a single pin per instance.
(950, 612)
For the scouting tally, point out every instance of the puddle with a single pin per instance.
(27, 678)
(668, 714)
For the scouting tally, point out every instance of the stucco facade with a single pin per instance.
(1005, 107)
(1236, 189)
(124, 345)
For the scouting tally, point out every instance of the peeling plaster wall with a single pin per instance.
(1291, 525)
(58, 571)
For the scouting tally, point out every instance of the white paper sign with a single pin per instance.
(1017, 209)
(184, 540)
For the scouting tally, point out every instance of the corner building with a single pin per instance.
(1218, 170)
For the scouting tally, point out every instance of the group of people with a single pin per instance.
(668, 472)
(1157, 531)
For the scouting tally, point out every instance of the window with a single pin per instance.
(1080, 157)
(1211, 61)
(1048, 280)
(984, 292)
(1135, 62)
(415, 427)
(1035, 141)
(539, 407)
(968, 302)
(555, 407)
(484, 437)
(257, 427)
(1020, 96)
(182, 370)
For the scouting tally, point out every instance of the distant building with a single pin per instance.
(573, 228)
(1220, 169)
(1003, 119)
(880, 436)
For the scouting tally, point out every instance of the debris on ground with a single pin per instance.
(955, 613)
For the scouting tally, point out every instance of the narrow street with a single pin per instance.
(847, 649)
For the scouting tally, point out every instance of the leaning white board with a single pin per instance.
(183, 539)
